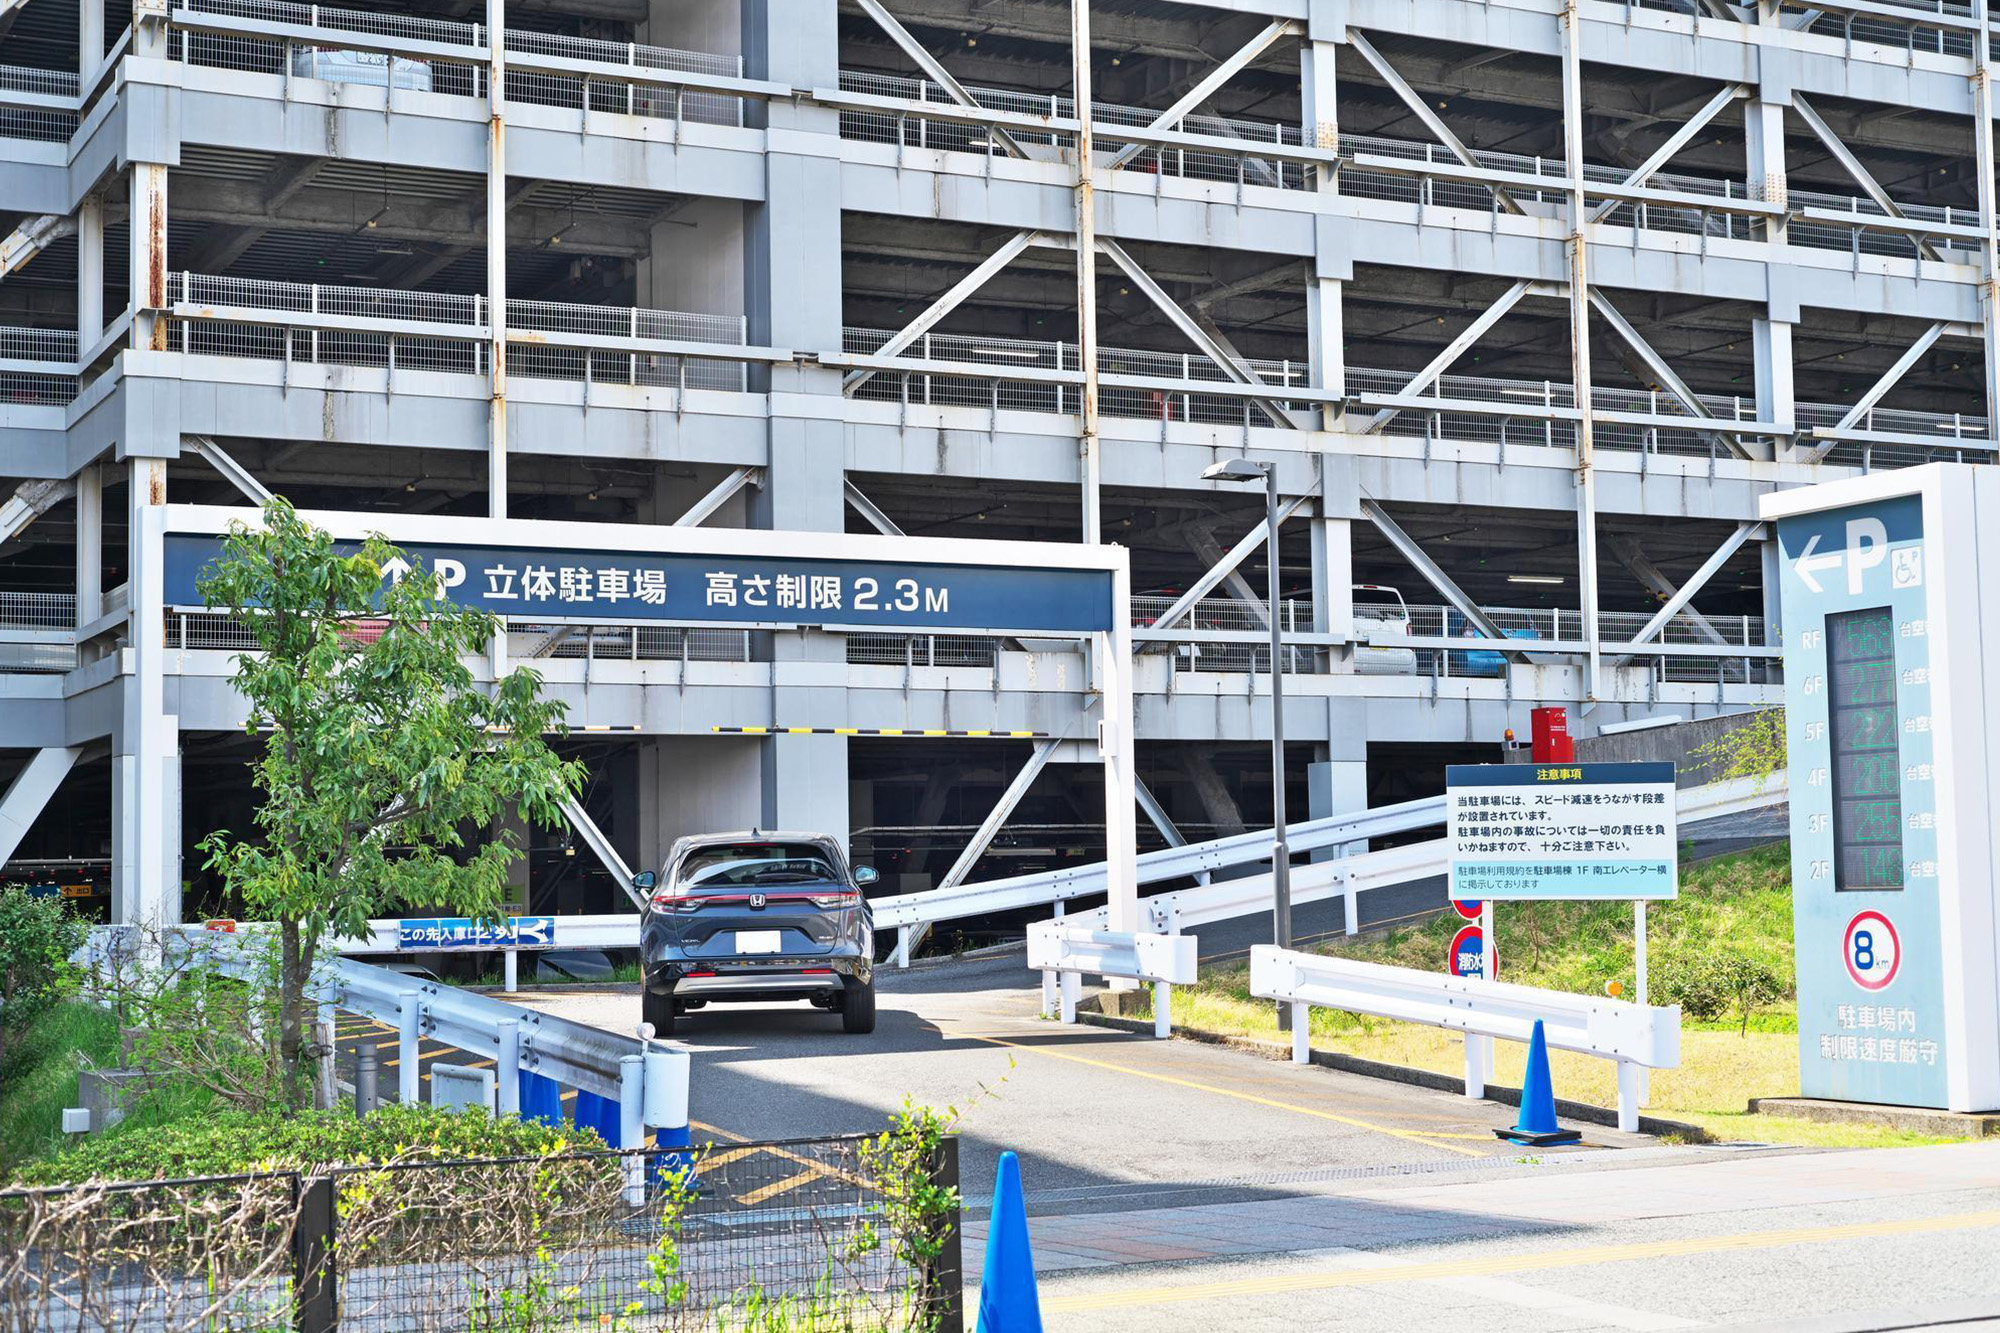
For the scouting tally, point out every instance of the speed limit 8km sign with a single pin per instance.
(1872, 950)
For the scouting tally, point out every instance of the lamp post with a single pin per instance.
(1243, 469)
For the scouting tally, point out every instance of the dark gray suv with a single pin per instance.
(756, 917)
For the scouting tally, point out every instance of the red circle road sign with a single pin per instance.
(1466, 948)
(1467, 907)
(1872, 950)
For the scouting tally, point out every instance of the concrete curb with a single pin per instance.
(1913, 1119)
(1422, 1078)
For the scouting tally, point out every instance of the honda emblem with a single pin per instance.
(756, 901)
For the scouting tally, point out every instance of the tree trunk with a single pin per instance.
(291, 1000)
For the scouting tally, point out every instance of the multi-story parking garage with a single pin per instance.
(1525, 303)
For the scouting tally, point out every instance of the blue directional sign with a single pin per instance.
(1867, 921)
(713, 589)
(459, 932)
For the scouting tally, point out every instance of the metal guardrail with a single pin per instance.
(1635, 1036)
(1068, 952)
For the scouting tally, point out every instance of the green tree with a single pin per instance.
(381, 750)
(1755, 749)
(37, 936)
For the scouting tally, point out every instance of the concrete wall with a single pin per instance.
(1654, 744)
(696, 784)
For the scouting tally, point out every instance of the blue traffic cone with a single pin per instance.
(1537, 1126)
(1007, 1299)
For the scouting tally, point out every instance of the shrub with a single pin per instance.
(230, 1142)
(1708, 985)
(37, 937)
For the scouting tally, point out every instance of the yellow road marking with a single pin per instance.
(811, 1167)
(1415, 1136)
(776, 1188)
(1502, 1265)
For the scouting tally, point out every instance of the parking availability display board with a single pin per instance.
(1574, 831)
(1867, 922)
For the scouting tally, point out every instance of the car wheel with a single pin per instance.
(857, 1009)
(659, 1011)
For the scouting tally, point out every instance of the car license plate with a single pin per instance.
(758, 941)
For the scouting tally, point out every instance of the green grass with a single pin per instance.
(1741, 903)
(41, 1080)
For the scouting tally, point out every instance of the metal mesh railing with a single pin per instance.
(629, 643)
(1958, 437)
(915, 130)
(24, 344)
(388, 348)
(40, 124)
(448, 74)
(37, 610)
(700, 1239)
(30, 389)
(923, 650)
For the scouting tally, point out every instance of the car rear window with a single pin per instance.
(746, 864)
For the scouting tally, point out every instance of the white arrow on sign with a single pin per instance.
(1808, 563)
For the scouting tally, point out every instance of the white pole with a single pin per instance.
(1163, 1010)
(408, 1016)
(1639, 963)
(632, 1123)
(1479, 1050)
(508, 1074)
(513, 970)
(1302, 1046)
(1628, 1097)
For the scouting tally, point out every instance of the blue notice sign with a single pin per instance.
(1563, 830)
(730, 590)
(462, 932)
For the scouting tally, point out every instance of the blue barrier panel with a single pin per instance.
(541, 1098)
(600, 1114)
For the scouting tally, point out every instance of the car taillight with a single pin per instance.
(836, 899)
(667, 902)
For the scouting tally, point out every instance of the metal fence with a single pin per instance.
(543, 1242)
(207, 325)
(1468, 407)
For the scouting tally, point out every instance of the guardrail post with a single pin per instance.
(1350, 911)
(507, 1071)
(408, 1017)
(1475, 1066)
(1628, 1097)
(1302, 1044)
(902, 946)
(1163, 1010)
(632, 1123)
(315, 1306)
(1071, 987)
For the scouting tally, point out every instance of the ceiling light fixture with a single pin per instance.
(1550, 579)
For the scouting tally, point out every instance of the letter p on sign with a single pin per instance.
(1867, 547)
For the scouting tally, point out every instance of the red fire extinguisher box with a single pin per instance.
(1552, 744)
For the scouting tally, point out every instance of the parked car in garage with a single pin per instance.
(753, 918)
(1377, 606)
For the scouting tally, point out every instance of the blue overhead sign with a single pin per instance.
(730, 590)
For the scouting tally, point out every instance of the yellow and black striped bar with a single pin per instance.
(975, 734)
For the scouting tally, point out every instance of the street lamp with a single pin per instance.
(1243, 469)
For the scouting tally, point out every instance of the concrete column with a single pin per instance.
(1333, 584)
(1773, 609)
(89, 545)
(1326, 345)
(148, 257)
(1764, 157)
(89, 40)
(697, 784)
(146, 771)
(89, 262)
(1319, 100)
(1771, 348)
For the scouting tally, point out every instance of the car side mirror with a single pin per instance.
(865, 875)
(645, 879)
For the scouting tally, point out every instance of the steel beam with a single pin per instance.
(1420, 560)
(1201, 541)
(1453, 350)
(1676, 141)
(1210, 82)
(928, 63)
(1421, 109)
(982, 838)
(737, 479)
(594, 838)
(869, 510)
(1273, 403)
(1696, 581)
(1911, 355)
(232, 471)
(1852, 165)
(30, 500)
(929, 317)
(31, 238)
(1089, 461)
(1579, 339)
(29, 794)
(1157, 815)
(1658, 365)
(1204, 585)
